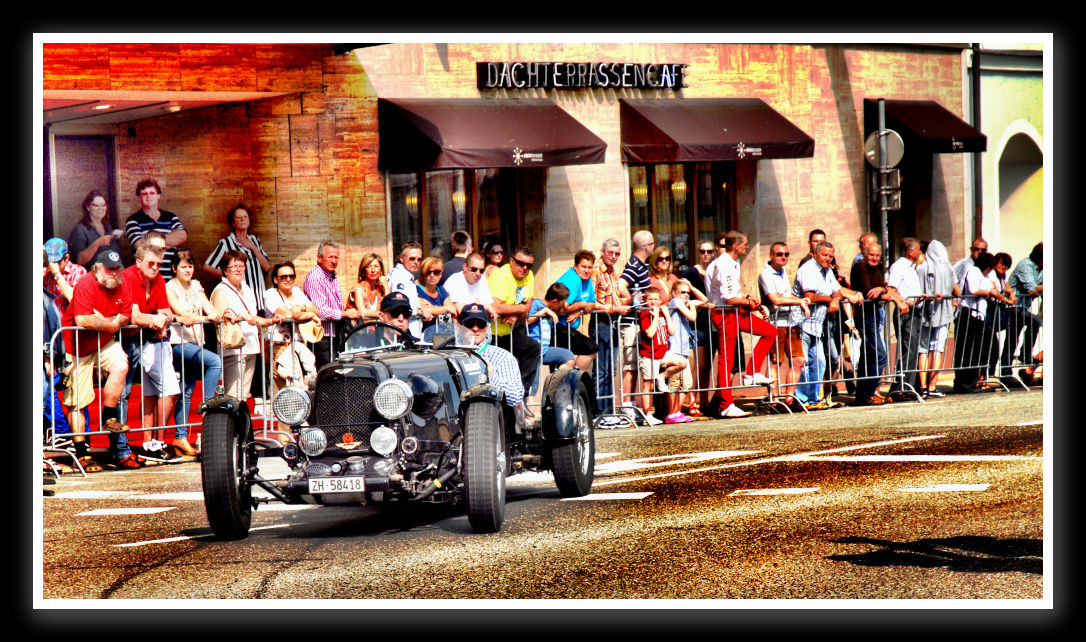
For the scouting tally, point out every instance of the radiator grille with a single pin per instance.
(345, 405)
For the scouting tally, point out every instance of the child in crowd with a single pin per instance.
(683, 312)
(542, 317)
(657, 363)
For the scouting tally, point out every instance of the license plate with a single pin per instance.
(336, 485)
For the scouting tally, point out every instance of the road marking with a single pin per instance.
(185, 537)
(942, 488)
(755, 462)
(926, 458)
(146, 510)
(607, 496)
(668, 460)
(772, 491)
(1031, 423)
(187, 497)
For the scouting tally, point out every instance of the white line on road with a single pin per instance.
(926, 458)
(184, 537)
(146, 510)
(942, 488)
(772, 491)
(607, 496)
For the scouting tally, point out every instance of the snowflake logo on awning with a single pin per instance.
(520, 156)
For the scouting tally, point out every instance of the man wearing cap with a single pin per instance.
(61, 273)
(96, 309)
(502, 368)
(396, 311)
(143, 293)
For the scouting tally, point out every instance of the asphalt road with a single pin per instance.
(909, 501)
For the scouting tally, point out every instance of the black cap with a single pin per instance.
(395, 301)
(473, 311)
(109, 258)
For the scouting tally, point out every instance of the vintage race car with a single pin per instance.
(392, 420)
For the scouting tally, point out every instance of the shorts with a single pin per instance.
(681, 380)
(933, 339)
(647, 365)
(80, 374)
(787, 346)
(159, 378)
(573, 340)
(629, 347)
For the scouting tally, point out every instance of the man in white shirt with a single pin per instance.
(402, 279)
(905, 288)
(816, 281)
(961, 267)
(722, 280)
(969, 328)
(470, 285)
(786, 312)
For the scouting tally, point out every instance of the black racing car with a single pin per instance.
(392, 420)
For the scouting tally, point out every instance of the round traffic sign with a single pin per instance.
(895, 148)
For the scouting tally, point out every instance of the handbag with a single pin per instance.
(230, 335)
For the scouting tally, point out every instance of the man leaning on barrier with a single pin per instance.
(96, 309)
(512, 286)
(904, 283)
(612, 301)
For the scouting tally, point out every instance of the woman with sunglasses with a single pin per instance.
(290, 303)
(495, 257)
(372, 286)
(433, 297)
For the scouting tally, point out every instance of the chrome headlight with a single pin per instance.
(313, 441)
(291, 405)
(393, 398)
(383, 441)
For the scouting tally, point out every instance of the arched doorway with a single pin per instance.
(1021, 198)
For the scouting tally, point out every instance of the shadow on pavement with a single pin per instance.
(966, 553)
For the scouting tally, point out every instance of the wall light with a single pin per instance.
(641, 194)
(678, 191)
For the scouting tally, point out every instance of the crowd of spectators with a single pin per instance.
(649, 333)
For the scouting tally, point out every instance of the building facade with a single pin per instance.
(372, 146)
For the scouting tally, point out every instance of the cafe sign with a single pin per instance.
(580, 75)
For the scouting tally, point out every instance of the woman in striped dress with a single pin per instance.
(240, 239)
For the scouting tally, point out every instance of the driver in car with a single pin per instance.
(396, 310)
(502, 365)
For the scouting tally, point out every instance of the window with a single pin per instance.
(495, 204)
(682, 204)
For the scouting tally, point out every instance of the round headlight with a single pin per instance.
(291, 405)
(383, 441)
(313, 441)
(393, 398)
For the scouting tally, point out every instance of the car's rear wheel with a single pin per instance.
(575, 462)
(485, 465)
(224, 463)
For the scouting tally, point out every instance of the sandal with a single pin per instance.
(89, 465)
(129, 461)
(695, 410)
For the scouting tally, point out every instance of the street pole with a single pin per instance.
(883, 167)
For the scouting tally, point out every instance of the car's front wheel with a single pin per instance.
(574, 462)
(484, 468)
(224, 465)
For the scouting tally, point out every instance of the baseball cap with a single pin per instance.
(55, 249)
(473, 311)
(395, 301)
(109, 259)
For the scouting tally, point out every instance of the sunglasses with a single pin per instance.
(286, 276)
(476, 270)
(721, 245)
(475, 325)
(709, 251)
(663, 258)
(497, 251)
(782, 254)
(432, 272)
(406, 314)
(524, 264)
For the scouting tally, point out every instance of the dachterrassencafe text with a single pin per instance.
(580, 75)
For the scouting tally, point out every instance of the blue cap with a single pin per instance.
(56, 249)
(394, 301)
(473, 311)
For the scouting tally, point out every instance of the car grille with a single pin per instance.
(345, 405)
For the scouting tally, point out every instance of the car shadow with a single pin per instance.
(964, 553)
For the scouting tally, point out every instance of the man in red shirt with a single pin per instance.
(96, 308)
(143, 295)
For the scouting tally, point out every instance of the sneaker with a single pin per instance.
(677, 418)
(935, 393)
(154, 446)
(610, 422)
(757, 379)
(661, 384)
(651, 420)
(198, 448)
(734, 411)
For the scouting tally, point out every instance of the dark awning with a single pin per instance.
(708, 129)
(420, 134)
(925, 125)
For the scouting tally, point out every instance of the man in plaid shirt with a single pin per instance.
(322, 287)
(613, 298)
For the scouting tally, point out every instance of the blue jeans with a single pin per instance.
(816, 366)
(187, 362)
(872, 362)
(552, 356)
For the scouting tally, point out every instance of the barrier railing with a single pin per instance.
(881, 344)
